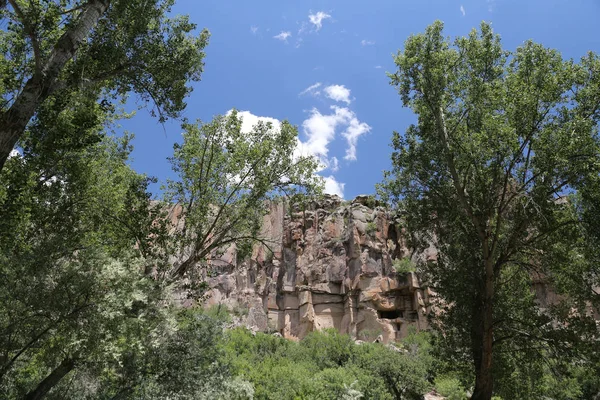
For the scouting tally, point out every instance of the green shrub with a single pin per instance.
(371, 228)
(218, 312)
(240, 310)
(450, 388)
(400, 372)
(328, 348)
(369, 335)
(404, 265)
(327, 365)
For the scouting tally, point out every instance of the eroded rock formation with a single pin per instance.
(329, 265)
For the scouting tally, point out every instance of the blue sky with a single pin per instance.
(322, 66)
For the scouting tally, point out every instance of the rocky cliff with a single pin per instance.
(327, 265)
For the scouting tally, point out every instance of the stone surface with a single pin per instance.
(331, 268)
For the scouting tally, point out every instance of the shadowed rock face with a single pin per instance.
(330, 266)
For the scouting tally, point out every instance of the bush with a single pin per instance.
(369, 335)
(328, 348)
(450, 388)
(404, 265)
(327, 365)
(371, 228)
(400, 372)
(219, 312)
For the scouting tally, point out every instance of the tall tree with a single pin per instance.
(499, 173)
(74, 231)
(225, 179)
(113, 47)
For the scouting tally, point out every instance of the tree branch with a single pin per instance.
(31, 33)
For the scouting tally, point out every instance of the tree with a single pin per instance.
(74, 234)
(226, 177)
(102, 47)
(499, 173)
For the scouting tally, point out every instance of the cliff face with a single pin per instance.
(329, 266)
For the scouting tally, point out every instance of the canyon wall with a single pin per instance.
(327, 265)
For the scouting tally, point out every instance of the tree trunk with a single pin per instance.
(51, 380)
(43, 83)
(482, 339)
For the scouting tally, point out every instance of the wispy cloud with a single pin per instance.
(353, 132)
(334, 164)
(378, 67)
(338, 93)
(365, 42)
(462, 10)
(283, 36)
(491, 5)
(312, 89)
(318, 18)
(254, 29)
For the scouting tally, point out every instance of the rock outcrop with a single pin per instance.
(327, 266)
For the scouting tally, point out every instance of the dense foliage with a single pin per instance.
(327, 365)
(101, 49)
(500, 174)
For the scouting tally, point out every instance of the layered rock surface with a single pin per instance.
(329, 265)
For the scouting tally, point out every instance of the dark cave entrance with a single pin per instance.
(389, 314)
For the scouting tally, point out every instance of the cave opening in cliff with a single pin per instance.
(389, 314)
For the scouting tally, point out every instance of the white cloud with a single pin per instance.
(320, 130)
(254, 29)
(312, 90)
(14, 153)
(249, 120)
(334, 165)
(491, 5)
(365, 42)
(338, 93)
(334, 187)
(354, 130)
(283, 36)
(378, 67)
(462, 10)
(318, 18)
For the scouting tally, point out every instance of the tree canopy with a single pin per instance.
(226, 178)
(105, 49)
(500, 173)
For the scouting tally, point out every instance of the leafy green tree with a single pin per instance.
(226, 178)
(404, 375)
(103, 48)
(328, 348)
(500, 173)
(75, 232)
